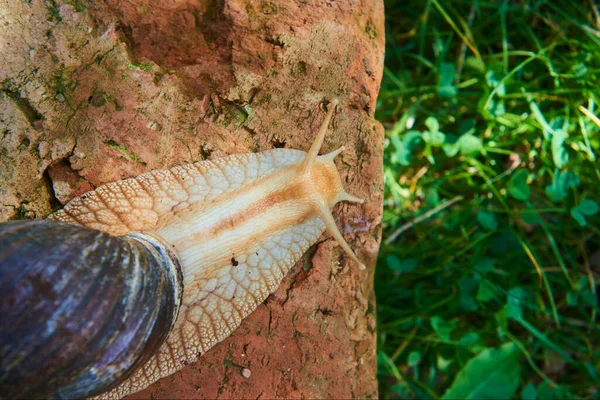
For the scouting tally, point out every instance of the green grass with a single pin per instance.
(487, 277)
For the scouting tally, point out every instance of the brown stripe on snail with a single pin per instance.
(236, 225)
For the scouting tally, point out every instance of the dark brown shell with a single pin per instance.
(80, 309)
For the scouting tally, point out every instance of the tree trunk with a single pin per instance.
(95, 91)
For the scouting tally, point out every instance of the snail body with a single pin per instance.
(236, 225)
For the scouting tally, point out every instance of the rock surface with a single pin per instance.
(96, 91)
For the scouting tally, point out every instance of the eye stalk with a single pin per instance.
(313, 152)
(324, 204)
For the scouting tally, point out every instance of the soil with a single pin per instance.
(96, 91)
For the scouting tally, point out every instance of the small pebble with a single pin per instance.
(246, 373)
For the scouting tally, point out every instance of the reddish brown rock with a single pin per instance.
(95, 91)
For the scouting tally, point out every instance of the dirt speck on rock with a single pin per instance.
(246, 373)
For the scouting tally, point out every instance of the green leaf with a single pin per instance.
(572, 298)
(591, 371)
(582, 291)
(484, 265)
(529, 393)
(400, 390)
(580, 70)
(586, 208)
(531, 218)
(393, 262)
(559, 153)
(432, 124)
(492, 374)
(451, 146)
(405, 147)
(513, 303)
(561, 183)
(485, 292)
(469, 144)
(443, 328)
(467, 287)
(401, 265)
(434, 138)
(472, 342)
(496, 107)
(546, 391)
(539, 116)
(501, 323)
(446, 88)
(476, 63)
(443, 363)
(579, 217)
(517, 185)
(487, 220)
(413, 358)
(432, 197)
(590, 299)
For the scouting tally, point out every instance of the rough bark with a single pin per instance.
(95, 91)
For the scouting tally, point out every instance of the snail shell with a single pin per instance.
(81, 309)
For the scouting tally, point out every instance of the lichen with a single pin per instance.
(123, 149)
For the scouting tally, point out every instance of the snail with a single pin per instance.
(171, 261)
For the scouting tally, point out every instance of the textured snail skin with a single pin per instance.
(238, 224)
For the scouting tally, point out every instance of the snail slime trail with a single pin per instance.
(223, 233)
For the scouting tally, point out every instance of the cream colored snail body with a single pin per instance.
(236, 224)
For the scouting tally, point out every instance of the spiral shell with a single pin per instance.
(81, 309)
